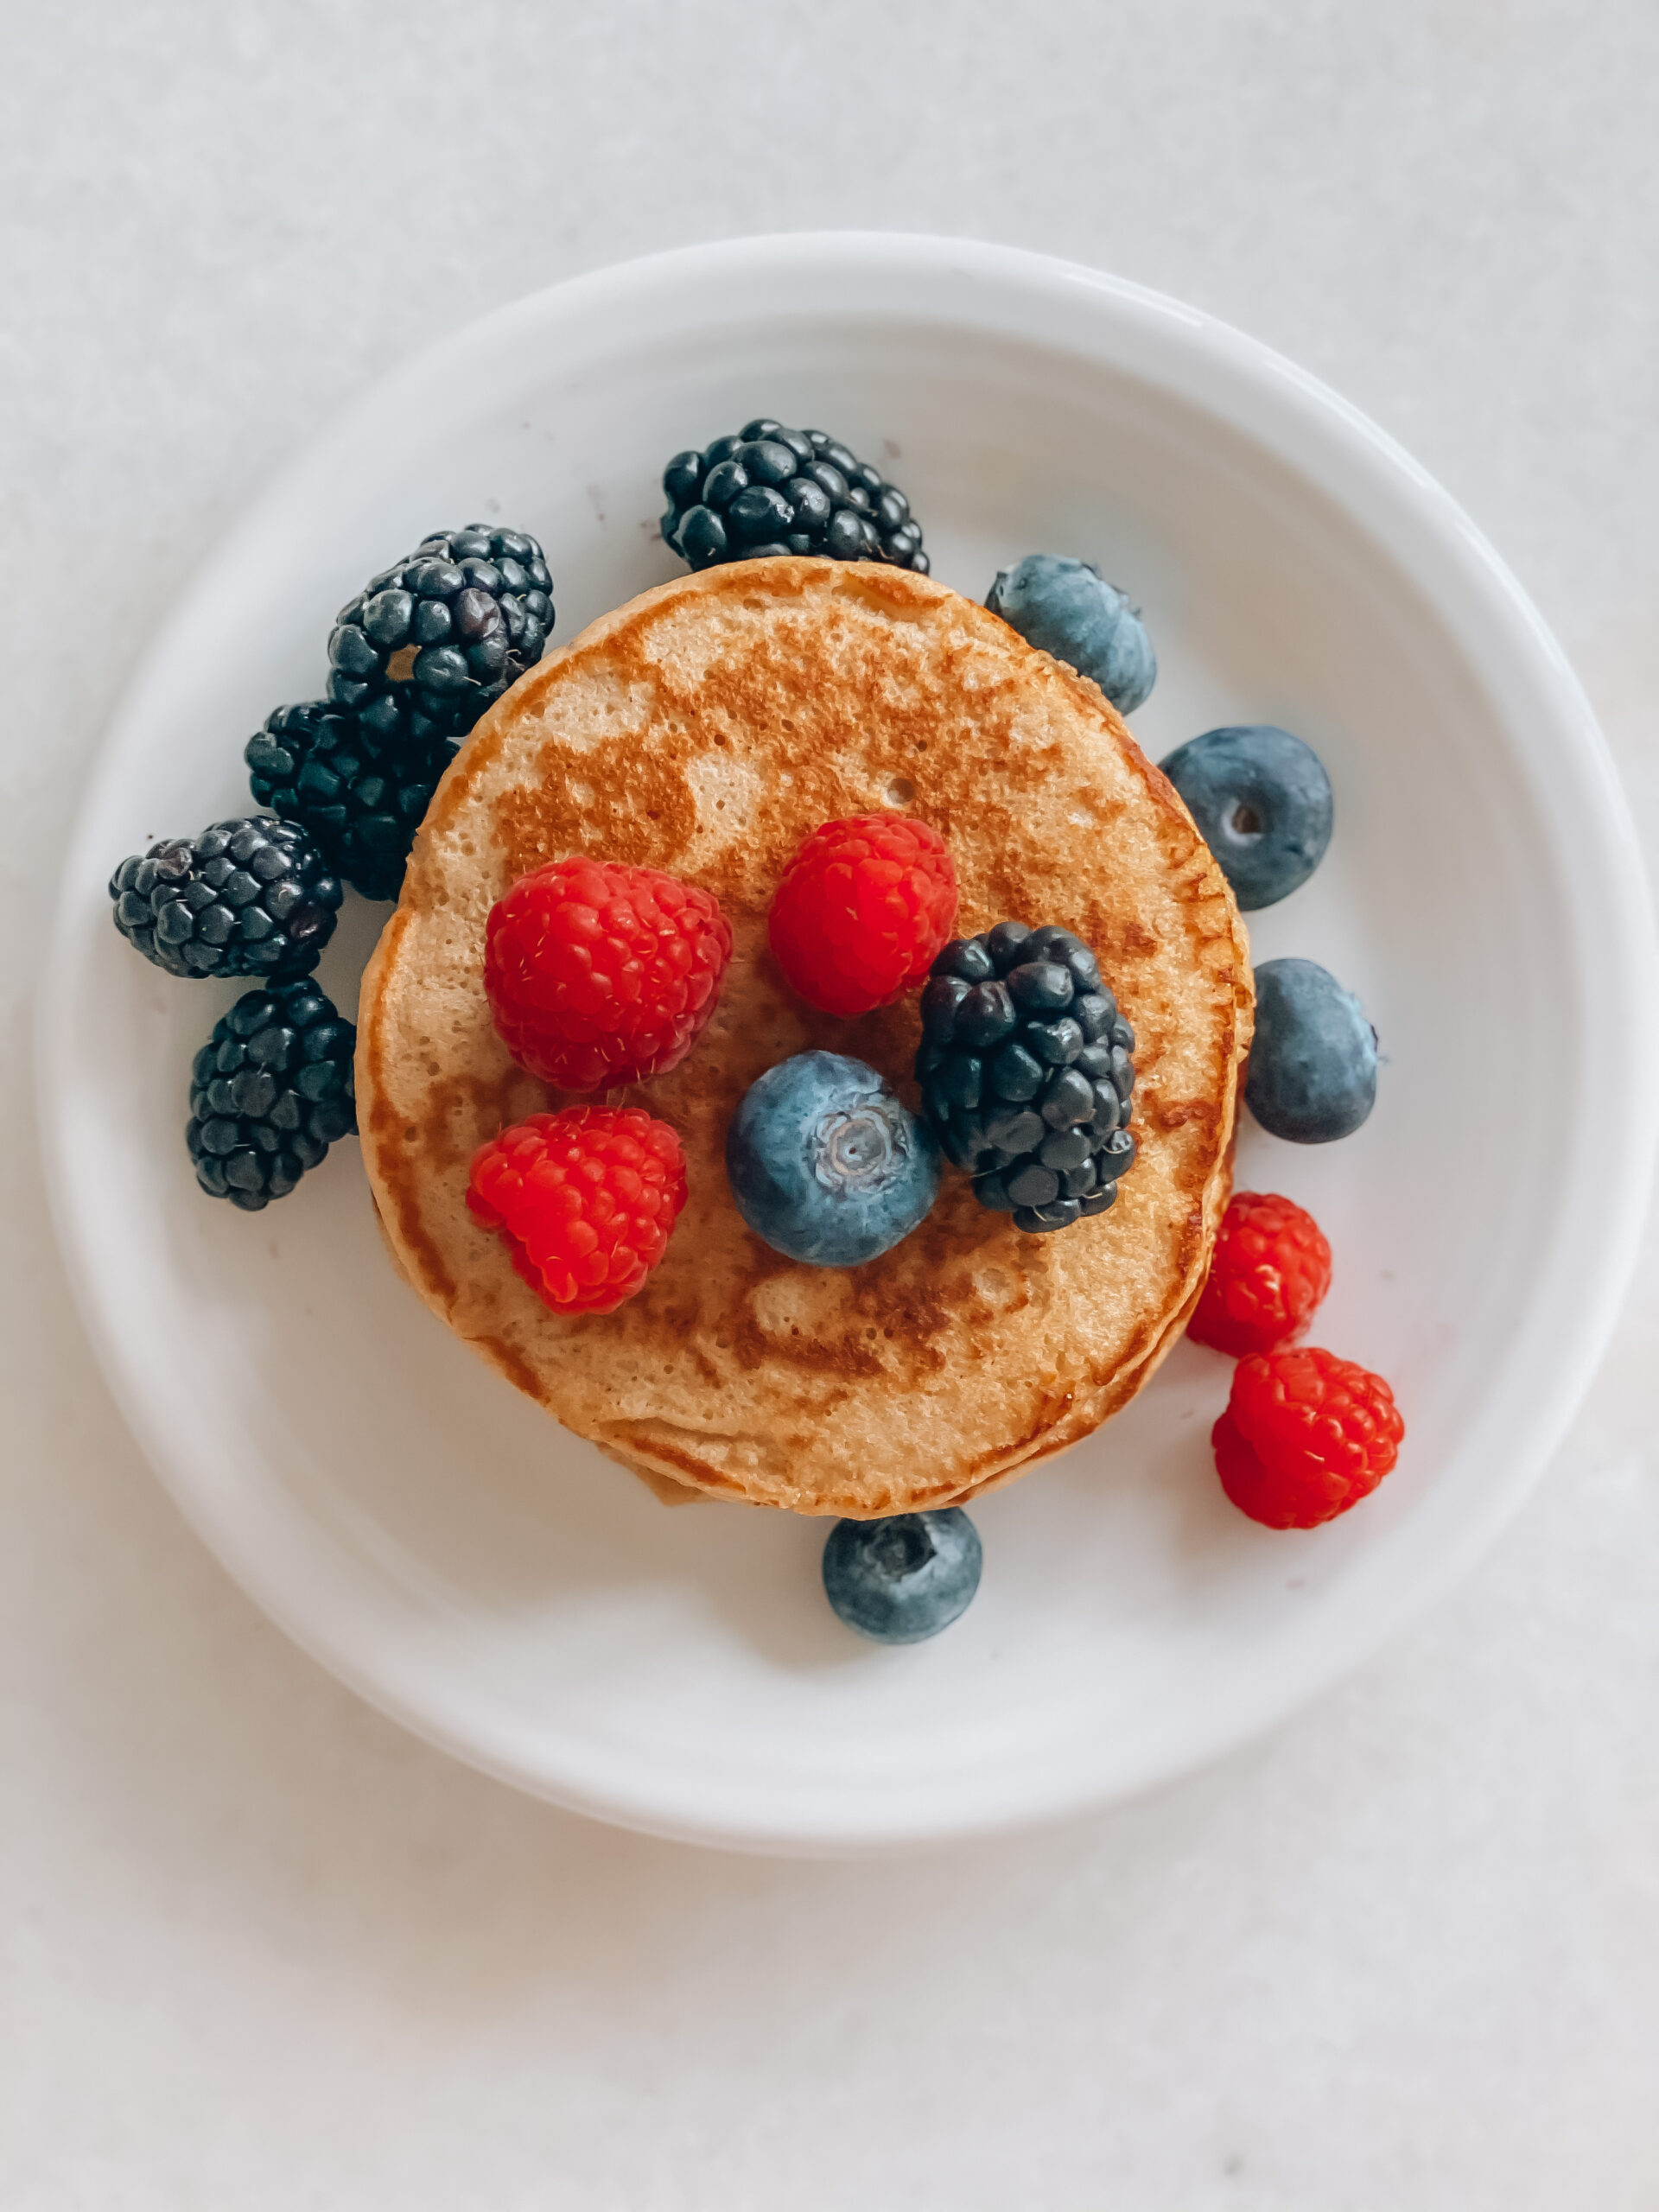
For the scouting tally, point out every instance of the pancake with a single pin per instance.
(705, 729)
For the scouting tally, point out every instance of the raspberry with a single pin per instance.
(598, 975)
(1270, 1268)
(585, 1201)
(861, 911)
(1304, 1436)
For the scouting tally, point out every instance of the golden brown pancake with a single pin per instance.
(705, 729)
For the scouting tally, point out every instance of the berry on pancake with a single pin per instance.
(827, 1164)
(585, 1202)
(598, 975)
(861, 910)
(1026, 1074)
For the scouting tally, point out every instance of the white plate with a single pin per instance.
(494, 1583)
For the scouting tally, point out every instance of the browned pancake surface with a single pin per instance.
(705, 729)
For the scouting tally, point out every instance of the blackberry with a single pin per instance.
(461, 619)
(270, 1093)
(361, 798)
(774, 490)
(248, 897)
(1026, 1074)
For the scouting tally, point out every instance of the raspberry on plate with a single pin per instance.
(1304, 1436)
(585, 1201)
(598, 975)
(863, 908)
(1270, 1268)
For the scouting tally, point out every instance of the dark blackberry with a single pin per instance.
(248, 897)
(361, 798)
(1026, 1074)
(269, 1094)
(773, 490)
(461, 619)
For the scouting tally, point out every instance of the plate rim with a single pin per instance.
(1217, 349)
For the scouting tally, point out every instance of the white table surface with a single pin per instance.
(262, 1949)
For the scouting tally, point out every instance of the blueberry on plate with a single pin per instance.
(1066, 609)
(902, 1580)
(1312, 1068)
(827, 1164)
(1262, 800)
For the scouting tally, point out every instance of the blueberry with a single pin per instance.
(902, 1580)
(1312, 1068)
(1262, 800)
(1064, 607)
(827, 1164)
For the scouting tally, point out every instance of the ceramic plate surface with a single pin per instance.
(493, 1581)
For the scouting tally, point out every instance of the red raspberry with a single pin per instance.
(864, 909)
(584, 1200)
(599, 976)
(1270, 1268)
(1304, 1436)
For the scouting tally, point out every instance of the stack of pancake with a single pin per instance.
(705, 729)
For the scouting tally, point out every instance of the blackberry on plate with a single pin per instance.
(361, 796)
(270, 1093)
(458, 620)
(248, 897)
(773, 490)
(1026, 1074)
